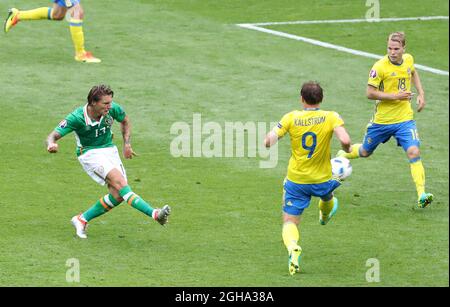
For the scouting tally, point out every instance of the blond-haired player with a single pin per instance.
(390, 85)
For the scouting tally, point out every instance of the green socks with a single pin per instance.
(136, 201)
(102, 205)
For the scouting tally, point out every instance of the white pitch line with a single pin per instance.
(335, 47)
(305, 22)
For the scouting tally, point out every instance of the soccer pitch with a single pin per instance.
(174, 61)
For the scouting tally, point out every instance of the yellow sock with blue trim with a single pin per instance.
(326, 207)
(354, 154)
(290, 235)
(36, 14)
(76, 30)
(418, 175)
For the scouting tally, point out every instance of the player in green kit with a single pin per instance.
(99, 156)
(390, 85)
(309, 170)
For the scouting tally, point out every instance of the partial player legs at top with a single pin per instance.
(76, 31)
(57, 12)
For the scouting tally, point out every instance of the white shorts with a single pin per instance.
(97, 163)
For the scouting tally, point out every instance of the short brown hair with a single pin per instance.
(311, 92)
(97, 92)
(398, 37)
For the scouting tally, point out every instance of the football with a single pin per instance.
(341, 167)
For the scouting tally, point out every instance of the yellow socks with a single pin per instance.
(291, 235)
(418, 175)
(36, 14)
(326, 207)
(76, 30)
(354, 153)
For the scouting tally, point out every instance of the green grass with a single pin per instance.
(169, 59)
(426, 40)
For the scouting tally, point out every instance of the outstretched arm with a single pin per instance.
(125, 128)
(344, 138)
(52, 146)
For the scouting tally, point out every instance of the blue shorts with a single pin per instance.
(66, 3)
(405, 133)
(297, 196)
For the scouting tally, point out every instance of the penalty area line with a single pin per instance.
(256, 27)
(306, 22)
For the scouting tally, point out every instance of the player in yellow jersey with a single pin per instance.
(390, 85)
(309, 170)
(57, 12)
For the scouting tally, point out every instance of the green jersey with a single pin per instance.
(91, 134)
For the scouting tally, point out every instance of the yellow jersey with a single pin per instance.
(310, 131)
(392, 78)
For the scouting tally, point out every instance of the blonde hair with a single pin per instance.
(398, 37)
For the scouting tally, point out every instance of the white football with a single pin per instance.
(341, 167)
